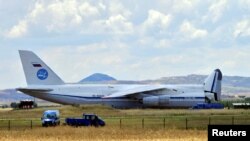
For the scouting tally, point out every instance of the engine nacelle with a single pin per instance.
(156, 100)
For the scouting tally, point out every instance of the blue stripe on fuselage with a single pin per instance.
(122, 97)
(187, 97)
(88, 97)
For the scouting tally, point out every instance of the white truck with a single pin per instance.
(50, 118)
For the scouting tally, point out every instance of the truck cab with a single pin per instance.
(86, 120)
(93, 120)
(50, 118)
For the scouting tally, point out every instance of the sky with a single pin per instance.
(127, 39)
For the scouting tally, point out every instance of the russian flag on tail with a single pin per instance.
(36, 65)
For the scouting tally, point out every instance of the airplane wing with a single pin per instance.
(28, 90)
(137, 90)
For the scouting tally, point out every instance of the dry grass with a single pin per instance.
(5, 109)
(66, 133)
(131, 124)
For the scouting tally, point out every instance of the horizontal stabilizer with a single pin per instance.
(27, 90)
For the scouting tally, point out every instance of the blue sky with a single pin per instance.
(129, 40)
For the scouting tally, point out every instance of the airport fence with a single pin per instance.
(174, 122)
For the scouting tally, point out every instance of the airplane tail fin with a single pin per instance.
(212, 84)
(36, 71)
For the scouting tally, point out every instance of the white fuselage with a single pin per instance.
(178, 96)
(44, 83)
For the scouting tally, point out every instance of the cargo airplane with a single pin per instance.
(43, 83)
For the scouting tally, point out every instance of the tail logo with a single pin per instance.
(42, 74)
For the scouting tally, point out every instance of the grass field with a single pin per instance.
(66, 133)
(127, 124)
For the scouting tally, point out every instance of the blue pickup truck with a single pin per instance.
(87, 120)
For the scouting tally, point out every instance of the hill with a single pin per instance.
(232, 81)
(97, 77)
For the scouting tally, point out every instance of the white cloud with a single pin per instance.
(56, 16)
(102, 6)
(74, 16)
(62, 14)
(18, 30)
(216, 10)
(117, 24)
(116, 7)
(242, 29)
(189, 31)
(164, 43)
(73, 63)
(177, 6)
(38, 9)
(87, 10)
(155, 43)
(155, 17)
(128, 39)
(156, 22)
(184, 5)
(244, 3)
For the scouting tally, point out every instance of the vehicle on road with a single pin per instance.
(86, 120)
(50, 118)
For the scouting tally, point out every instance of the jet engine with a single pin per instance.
(156, 100)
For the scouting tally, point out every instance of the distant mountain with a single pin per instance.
(233, 81)
(189, 79)
(237, 81)
(97, 77)
(231, 85)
